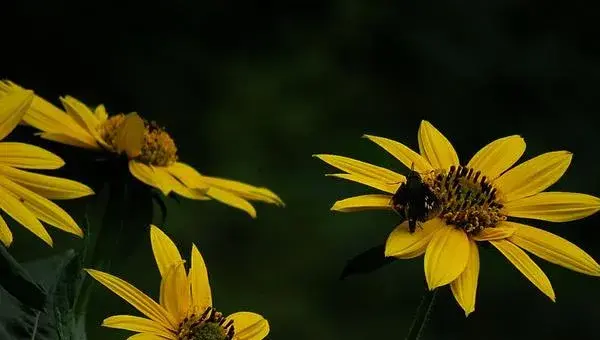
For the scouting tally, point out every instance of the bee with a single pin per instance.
(414, 201)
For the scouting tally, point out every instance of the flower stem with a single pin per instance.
(422, 315)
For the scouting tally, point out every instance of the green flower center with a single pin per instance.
(210, 325)
(467, 199)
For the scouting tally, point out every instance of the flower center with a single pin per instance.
(210, 325)
(467, 199)
(158, 148)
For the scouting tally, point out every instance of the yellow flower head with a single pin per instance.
(185, 311)
(471, 203)
(25, 196)
(151, 151)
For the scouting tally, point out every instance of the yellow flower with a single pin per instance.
(474, 202)
(152, 153)
(185, 311)
(25, 196)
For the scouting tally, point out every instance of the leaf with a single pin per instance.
(367, 262)
(16, 281)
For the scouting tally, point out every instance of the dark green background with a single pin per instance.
(251, 90)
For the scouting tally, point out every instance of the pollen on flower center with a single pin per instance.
(158, 147)
(210, 325)
(467, 199)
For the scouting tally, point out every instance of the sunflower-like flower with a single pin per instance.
(25, 196)
(471, 203)
(185, 311)
(151, 151)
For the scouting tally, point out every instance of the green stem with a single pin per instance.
(422, 315)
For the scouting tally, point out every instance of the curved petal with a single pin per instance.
(84, 117)
(503, 230)
(390, 188)
(402, 153)
(27, 156)
(69, 140)
(363, 202)
(175, 292)
(130, 135)
(355, 167)
(404, 245)
(6, 236)
(231, 200)
(138, 324)
(464, 288)
(165, 252)
(554, 206)
(446, 256)
(187, 175)
(554, 249)
(136, 298)
(13, 107)
(526, 266)
(499, 155)
(199, 285)
(163, 179)
(55, 188)
(249, 326)
(435, 147)
(533, 176)
(101, 113)
(244, 190)
(148, 176)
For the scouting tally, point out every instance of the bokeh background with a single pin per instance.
(250, 91)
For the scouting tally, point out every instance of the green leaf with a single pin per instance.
(367, 262)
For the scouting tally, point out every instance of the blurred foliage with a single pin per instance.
(251, 90)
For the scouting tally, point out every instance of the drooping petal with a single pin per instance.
(554, 249)
(526, 266)
(533, 176)
(13, 107)
(464, 288)
(244, 190)
(175, 292)
(163, 178)
(554, 206)
(231, 200)
(363, 202)
(27, 156)
(68, 140)
(42, 208)
(499, 155)
(136, 298)
(402, 153)
(138, 324)
(503, 230)
(446, 256)
(15, 209)
(435, 147)
(383, 186)
(165, 251)
(199, 284)
(249, 326)
(6, 236)
(404, 245)
(355, 167)
(130, 135)
(187, 175)
(55, 188)
(147, 175)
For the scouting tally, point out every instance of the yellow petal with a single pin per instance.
(42, 208)
(15, 209)
(554, 206)
(200, 287)
(187, 175)
(503, 230)
(249, 326)
(363, 202)
(163, 178)
(68, 140)
(383, 186)
(84, 117)
(435, 147)
(402, 153)
(175, 292)
(136, 298)
(137, 324)
(13, 107)
(101, 113)
(554, 249)
(55, 188)
(147, 175)
(499, 155)
(165, 251)
(6, 236)
(148, 336)
(231, 200)
(130, 135)
(464, 288)
(446, 256)
(355, 167)
(404, 245)
(534, 175)
(244, 190)
(526, 266)
(26, 156)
